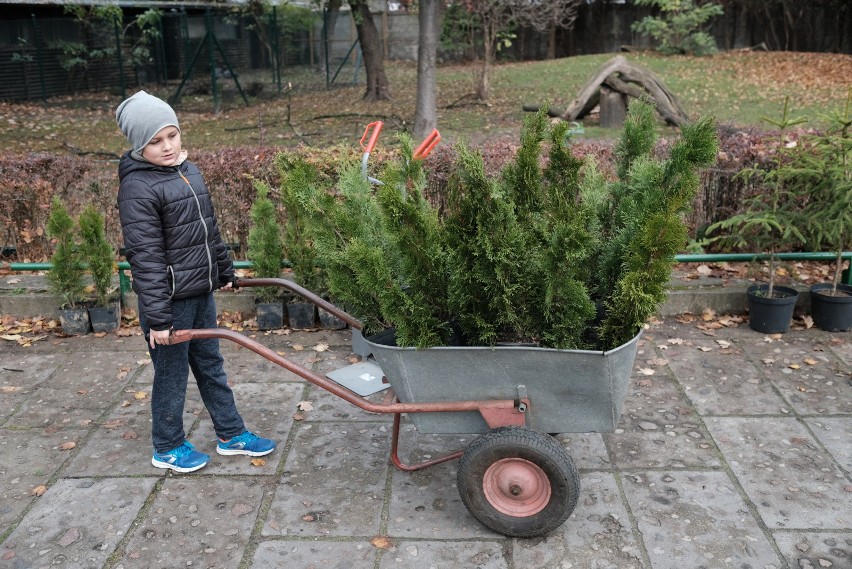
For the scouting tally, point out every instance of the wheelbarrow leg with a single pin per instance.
(411, 468)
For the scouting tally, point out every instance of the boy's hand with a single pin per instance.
(228, 286)
(159, 337)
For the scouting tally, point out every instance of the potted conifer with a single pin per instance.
(265, 253)
(770, 223)
(66, 274)
(298, 246)
(825, 170)
(532, 256)
(105, 314)
(548, 253)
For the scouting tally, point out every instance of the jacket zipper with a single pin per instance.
(206, 234)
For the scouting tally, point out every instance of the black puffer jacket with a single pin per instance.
(170, 235)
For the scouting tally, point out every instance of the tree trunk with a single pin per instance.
(551, 42)
(482, 86)
(425, 114)
(613, 108)
(368, 35)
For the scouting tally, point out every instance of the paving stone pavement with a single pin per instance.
(734, 450)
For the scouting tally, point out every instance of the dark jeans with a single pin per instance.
(171, 370)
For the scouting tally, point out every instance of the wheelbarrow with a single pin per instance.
(514, 478)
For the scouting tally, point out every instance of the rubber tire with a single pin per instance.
(540, 449)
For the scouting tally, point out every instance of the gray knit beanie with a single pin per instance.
(142, 116)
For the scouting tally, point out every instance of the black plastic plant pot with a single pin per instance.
(832, 313)
(74, 322)
(329, 321)
(270, 315)
(301, 315)
(105, 318)
(771, 315)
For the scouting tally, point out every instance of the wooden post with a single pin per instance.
(613, 108)
(311, 44)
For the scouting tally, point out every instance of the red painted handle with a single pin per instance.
(427, 145)
(374, 137)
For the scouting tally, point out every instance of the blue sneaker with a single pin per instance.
(247, 443)
(181, 459)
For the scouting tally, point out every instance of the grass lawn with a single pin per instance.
(737, 87)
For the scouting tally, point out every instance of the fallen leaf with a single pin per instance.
(808, 321)
(140, 395)
(67, 445)
(645, 371)
(381, 542)
(99, 334)
(675, 341)
(298, 416)
(38, 490)
(240, 509)
(130, 435)
(794, 366)
(723, 343)
(298, 347)
(257, 462)
(320, 347)
(114, 423)
(122, 372)
(353, 359)
(810, 361)
(10, 388)
(305, 406)
(704, 270)
(705, 349)
(12, 337)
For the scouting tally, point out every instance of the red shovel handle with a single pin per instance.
(377, 128)
(427, 145)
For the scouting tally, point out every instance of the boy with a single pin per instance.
(177, 259)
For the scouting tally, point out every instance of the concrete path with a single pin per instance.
(733, 451)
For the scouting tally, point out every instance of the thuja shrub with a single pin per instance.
(531, 254)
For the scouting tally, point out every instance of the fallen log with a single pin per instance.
(625, 78)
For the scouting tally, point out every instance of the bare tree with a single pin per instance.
(495, 16)
(378, 87)
(425, 115)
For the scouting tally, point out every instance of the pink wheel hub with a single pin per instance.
(516, 487)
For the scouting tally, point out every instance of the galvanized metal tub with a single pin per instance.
(570, 391)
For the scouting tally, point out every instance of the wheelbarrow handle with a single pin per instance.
(304, 293)
(430, 142)
(377, 128)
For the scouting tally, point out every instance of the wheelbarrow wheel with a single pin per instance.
(518, 481)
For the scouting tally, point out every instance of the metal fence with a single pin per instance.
(192, 51)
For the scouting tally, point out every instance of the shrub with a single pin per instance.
(679, 27)
(66, 276)
(264, 243)
(522, 256)
(97, 252)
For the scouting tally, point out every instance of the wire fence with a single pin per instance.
(209, 51)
